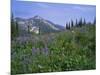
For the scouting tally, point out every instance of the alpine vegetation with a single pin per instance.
(61, 40)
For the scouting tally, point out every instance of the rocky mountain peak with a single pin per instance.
(37, 17)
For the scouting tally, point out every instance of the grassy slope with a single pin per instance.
(63, 51)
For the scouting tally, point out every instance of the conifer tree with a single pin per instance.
(67, 26)
(17, 28)
(80, 22)
(13, 27)
(76, 24)
(94, 21)
(84, 23)
(72, 24)
(28, 28)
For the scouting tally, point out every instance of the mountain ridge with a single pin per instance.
(45, 25)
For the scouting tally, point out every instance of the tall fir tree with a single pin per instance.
(28, 28)
(84, 23)
(67, 26)
(76, 24)
(80, 22)
(72, 24)
(13, 27)
(94, 21)
(17, 28)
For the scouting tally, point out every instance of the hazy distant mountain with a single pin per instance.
(44, 25)
(56, 25)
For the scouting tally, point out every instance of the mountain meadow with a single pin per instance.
(38, 46)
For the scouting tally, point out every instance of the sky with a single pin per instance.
(54, 12)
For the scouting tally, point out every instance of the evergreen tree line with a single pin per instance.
(14, 27)
(79, 23)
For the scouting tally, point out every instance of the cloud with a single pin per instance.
(43, 5)
(84, 8)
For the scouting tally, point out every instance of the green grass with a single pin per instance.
(67, 51)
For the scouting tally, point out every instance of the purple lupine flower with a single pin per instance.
(34, 50)
(82, 30)
(46, 50)
(26, 59)
(38, 50)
